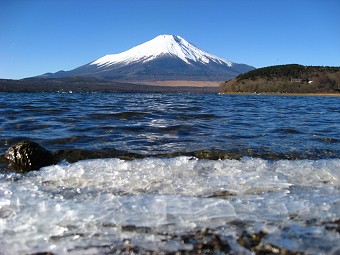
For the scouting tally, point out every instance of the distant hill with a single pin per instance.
(291, 78)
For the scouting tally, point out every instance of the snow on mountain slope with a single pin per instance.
(164, 58)
(172, 45)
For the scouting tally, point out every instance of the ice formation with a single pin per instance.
(68, 208)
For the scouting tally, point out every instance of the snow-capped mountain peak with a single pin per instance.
(164, 58)
(169, 45)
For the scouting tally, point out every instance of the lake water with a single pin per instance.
(282, 175)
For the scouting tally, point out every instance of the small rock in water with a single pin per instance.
(27, 156)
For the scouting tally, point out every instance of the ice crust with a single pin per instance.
(68, 208)
(171, 45)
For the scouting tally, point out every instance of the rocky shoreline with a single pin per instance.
(204, 242)
(28, 156)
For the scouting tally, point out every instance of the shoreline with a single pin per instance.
(281, 94)
(76, 155)
(180, 83)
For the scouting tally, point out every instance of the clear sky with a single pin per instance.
(39, 36)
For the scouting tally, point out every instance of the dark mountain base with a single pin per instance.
(87, 84)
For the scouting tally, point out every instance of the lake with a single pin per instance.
(227, 164)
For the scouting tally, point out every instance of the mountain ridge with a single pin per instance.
(166, 57)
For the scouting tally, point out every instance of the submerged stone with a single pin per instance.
(27, 156)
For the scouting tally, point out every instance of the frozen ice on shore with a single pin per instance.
(66, 206)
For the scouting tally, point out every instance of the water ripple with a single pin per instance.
(165, 123)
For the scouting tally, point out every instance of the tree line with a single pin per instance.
(288, 72)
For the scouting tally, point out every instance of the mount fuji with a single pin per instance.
(164, 58)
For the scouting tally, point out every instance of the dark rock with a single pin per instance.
(253, 242)
(333, 226)
(269, 249)
(205, 242)
(74, 155)
(27, 156)
(43, 253)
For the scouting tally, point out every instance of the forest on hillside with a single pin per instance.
(291, 78)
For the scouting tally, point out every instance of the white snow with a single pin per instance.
(173, 45)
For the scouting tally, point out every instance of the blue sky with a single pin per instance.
(39, 36)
